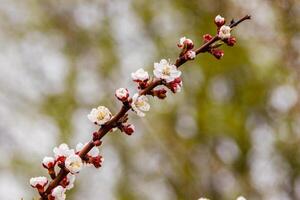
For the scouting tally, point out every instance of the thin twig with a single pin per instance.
(104, 129)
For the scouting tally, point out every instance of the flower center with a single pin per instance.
(100, 115)
(166, 71)
(75, 164)
(140, 103)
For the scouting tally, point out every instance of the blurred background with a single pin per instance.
(233, 130)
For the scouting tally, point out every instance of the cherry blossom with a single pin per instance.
(99, 115)
(140, 104)
(166, 71)
(73, 163)
(224, 32)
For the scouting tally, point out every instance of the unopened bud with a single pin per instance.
(230, 41)
(219, 20)
(185, 43)
(128, 129)
(122, 94)
(207, 37)
(218, 53)
(190, 55)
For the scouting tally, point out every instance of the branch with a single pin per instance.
(147, 88)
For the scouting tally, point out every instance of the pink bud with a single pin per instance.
(143, 84)
(185, 43)
(39, 183)
(190, 55)
(230, 41)
(122, 94)
(128, 129)
(64, 182)
(218, 53)
(175, 86)
(207, 37)
(219, 21)
(160, 93)
(48, 162)
(189, 44)
(97, 161)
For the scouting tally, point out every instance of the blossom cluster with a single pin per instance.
(69, 159)
(165, 74)
(164, 71)
(224, 34)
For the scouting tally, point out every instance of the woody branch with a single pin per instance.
(166, 74)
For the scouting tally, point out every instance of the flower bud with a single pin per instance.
(128, 129)
(160, 93)
(122, 94)
(175, 86)
(68, 181)
(48, 162)
(97, 161)
(230, 41)
(219, 20)
(207, 37)
(185, 43)
(39, 183)
(190, 55)
(218, 53)
(140, 75)
(58, 193)
(61, 152)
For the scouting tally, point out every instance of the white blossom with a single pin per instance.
(140, 75)
(73, 163)
(140, 104)
(39, 181)
(71, 179)
(224, 32)
(122, 94)
(48, 162)
(93, 152)
(203, 198)
(59, 193)
(99, 115)
(62, 151)
(166, 71)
